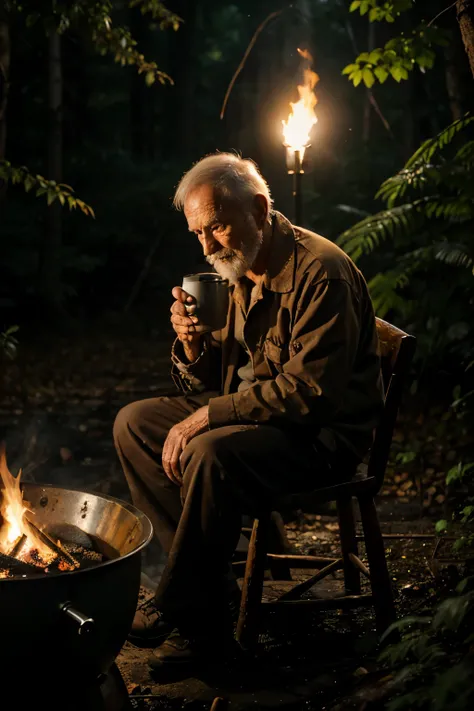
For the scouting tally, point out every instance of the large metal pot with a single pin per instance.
(74, 624)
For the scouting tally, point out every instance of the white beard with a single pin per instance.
(232, 264)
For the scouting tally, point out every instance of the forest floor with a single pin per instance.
(59, 401)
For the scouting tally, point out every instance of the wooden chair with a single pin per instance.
(397, 349)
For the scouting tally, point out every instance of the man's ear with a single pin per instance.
(260, 210)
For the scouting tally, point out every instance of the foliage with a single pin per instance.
(428, 222)
(49, 188)
(119, 42)
(401, 54)
(384, 11)
(106, 37)
(459, 481)
(8, 342)
(431, 661)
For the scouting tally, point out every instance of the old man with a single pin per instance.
(283, 399)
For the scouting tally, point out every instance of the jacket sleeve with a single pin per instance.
(204, 373)
(311, 386)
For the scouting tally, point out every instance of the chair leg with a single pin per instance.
(347, 536)
(251, 600)
(379, 575)
(278, 543)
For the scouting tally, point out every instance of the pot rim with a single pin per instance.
(147, 533)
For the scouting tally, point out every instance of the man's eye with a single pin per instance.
(217, 227)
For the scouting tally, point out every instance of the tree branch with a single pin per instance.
(259, 29)
(441, 13)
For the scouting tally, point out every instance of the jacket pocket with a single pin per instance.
(277, 355)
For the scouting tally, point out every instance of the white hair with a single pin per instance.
(231, 175)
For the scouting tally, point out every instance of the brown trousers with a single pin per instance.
(226, 472)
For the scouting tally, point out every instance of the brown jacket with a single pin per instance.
(312, 338)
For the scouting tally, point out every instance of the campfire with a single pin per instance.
(25, 548)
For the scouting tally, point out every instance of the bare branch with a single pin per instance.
(259, 29)
(441, 13)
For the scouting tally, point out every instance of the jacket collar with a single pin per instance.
(280, 273)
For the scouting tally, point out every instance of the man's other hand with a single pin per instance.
(177, 439)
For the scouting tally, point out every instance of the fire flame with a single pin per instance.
(297, 128)
(13, 524)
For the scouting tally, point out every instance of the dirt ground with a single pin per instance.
(59, 400)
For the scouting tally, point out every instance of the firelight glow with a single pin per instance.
(302, 118)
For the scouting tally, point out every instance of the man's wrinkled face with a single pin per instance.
(227, 231)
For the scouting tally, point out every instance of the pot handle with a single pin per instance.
(85, 625)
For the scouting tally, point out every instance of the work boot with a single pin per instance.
(186, 652)
(149, 627)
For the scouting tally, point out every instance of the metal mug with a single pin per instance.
(211, 292)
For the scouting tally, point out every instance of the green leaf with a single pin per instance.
(51, 197)
(350, 68)
(397, 72)
(357, 77)
(375, 55)
(381, 73)
(441, 525)
(368, 77)
(29, 182)
(150, 78)
(354, 5)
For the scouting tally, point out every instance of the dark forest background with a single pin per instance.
(81, 118)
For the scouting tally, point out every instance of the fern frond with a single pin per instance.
(392, 224)
(453, 209)
(418, 178)
(466, 153)
(455, 254)
(430, 147)
(384, 290)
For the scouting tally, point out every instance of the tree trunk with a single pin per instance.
(50, 271)
(465, 16)
(4, 73)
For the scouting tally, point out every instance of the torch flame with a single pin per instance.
(297, 129)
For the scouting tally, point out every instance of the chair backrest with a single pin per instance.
(397, 349)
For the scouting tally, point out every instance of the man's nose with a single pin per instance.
(209, 244)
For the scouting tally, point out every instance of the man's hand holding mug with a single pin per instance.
(186, 324)
(201, 305)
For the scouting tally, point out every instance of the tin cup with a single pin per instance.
(211, 292)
